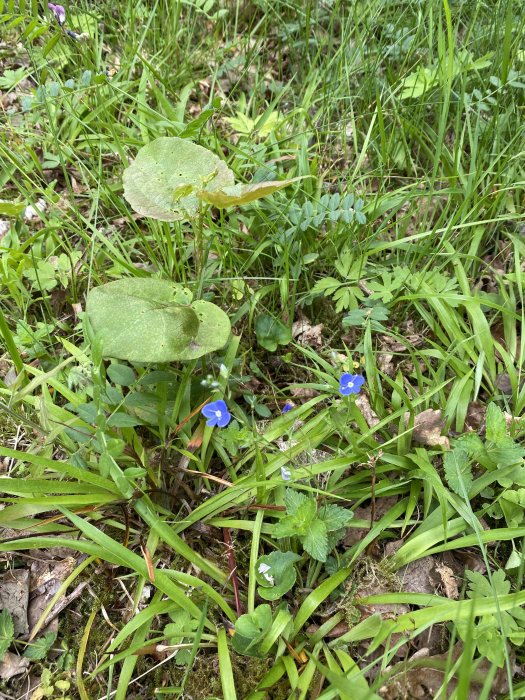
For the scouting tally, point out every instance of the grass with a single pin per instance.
(403, 238)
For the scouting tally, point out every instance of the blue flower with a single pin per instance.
(217, 414)
(286, 474)
(350, 384)
(287, 407)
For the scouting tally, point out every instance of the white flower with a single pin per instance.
(263, 569)
(286, 474)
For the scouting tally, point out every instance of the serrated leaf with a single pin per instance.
(163, 179)
(315, 542)
(334, 517)
(293, 499)
(480, 586)
(496, 426)
(328, 285)
(7, 631)
(458, 471)
(298, 523)
(40, 647)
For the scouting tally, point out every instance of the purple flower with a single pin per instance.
(217, 414)
(59, 12)
(350, 383)
(287, 407)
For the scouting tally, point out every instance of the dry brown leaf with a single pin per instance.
(428, 426)
(12, 665)
(306, 334)
(448, 580)
(363, 404)
(416, 576)
(300, 392)
(424, 683)
(385, 364)
(14, 597)
(46, 578)
(475, 417)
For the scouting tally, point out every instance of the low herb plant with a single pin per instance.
(205, 477)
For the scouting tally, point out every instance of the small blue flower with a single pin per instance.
(287, 407)
(350, 384)
(286, 474)
(217, 414)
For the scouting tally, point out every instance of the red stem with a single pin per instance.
(232, 566)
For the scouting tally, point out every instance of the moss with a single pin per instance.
(204, 679)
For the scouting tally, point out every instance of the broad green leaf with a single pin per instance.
(458, 471)
(315, 542)
(11, 208)
(251, 629)
(496, 427)
(213, 332)
(121, 374)
(334, 517)
(242, 194)
(293, 499)
(272, 332)
(163, 179)
(7, 631)
(38, 649)
(137, 319)
(279, 578)
(150, 320)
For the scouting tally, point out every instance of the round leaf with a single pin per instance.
(141, 320)
(163, 179)
(281, 571)
(213, 333)
(271, 332)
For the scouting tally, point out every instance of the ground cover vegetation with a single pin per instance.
(261, 299)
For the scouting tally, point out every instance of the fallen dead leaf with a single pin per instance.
(300, 392)
(448, 580)
(416, 576)
(385, 364)
(383, 505)
(306, 334)
(12, 665)
(428, 426)
(475, 418)
(14, 597)
(424, 682)
(47, 575)
(363, 404)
